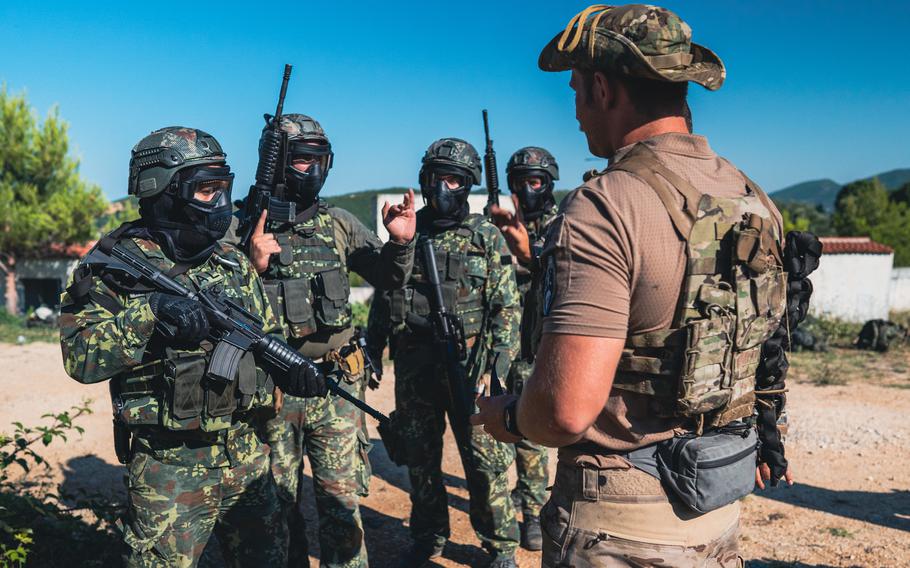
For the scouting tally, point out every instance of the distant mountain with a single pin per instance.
(824, 191)
(895, 178)
(819, 191)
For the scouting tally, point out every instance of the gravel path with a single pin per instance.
(848, 446)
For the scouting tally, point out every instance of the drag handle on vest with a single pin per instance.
(448, 337)
(269, 190)
(489, 167)
(235, 331)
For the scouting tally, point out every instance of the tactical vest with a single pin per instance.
(169, 389)
(733, 298)
(462, 261)
(308, 283)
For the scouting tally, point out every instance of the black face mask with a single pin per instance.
(534, 201)
(304, 187)
(189, 229)
(447, 202)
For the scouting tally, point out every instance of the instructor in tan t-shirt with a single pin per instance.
(612, 268)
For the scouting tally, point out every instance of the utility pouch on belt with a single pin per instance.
(712, 470)
(121, 442)
(394, 444)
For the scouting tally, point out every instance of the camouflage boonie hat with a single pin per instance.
(453, 152)
(160, 155)
(532, 158)
(302, 127)
(638, 40)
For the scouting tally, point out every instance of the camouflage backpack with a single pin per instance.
(733, 298)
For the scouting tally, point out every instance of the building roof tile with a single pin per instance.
(853, 245)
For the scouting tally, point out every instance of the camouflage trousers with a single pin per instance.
(531, 460)
(421, 400)
(332, 432)
(177, 499)
(623, 518)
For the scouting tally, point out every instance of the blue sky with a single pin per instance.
(814, 89)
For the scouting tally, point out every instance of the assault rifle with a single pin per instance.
(269, 186)
(448, 337)
(489, 168)
(234, 330)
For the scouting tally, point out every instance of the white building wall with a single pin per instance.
(476, 201)
(852, 287)
(900, 289)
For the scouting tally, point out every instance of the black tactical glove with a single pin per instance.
(305, 380)
(180, 319)
(375, 375)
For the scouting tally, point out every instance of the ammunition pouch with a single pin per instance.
(332, 290)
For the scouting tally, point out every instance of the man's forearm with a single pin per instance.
(568, 389)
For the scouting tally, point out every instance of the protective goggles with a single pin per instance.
(206, 187)
(309, 153)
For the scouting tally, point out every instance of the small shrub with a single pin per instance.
(829, 373)
(36, 527)
(840, 531)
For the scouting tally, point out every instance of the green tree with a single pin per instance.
(902, 194)
(800, 216)
(865, 208)
(43, 199)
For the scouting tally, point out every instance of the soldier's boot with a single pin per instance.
(421, 553)
(531, 538)
(503, 562)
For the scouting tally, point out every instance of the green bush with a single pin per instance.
(37, 527)
(361, 311)
(838, 333)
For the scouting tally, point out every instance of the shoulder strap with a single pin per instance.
(642, 162)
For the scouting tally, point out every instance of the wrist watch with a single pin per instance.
(511, 418)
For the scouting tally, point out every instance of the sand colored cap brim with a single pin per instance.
(613, 51)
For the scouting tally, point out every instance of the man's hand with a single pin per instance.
(262, 245)
(179, 318)
(492, 416)
(305, 380)
(400, 220)
(763, 473)
(375, 377)
(514, 230)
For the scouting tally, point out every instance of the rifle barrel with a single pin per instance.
(284, 90)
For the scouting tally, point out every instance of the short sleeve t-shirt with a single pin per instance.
(618, 267)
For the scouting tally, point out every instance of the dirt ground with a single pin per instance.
(849, 446)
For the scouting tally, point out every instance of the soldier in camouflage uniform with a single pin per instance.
(479, 286)
(304, 266)
(196, 464)
(530, 173)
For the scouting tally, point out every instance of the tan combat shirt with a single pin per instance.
(619, 267)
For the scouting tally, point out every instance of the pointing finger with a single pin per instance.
(260, 225)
